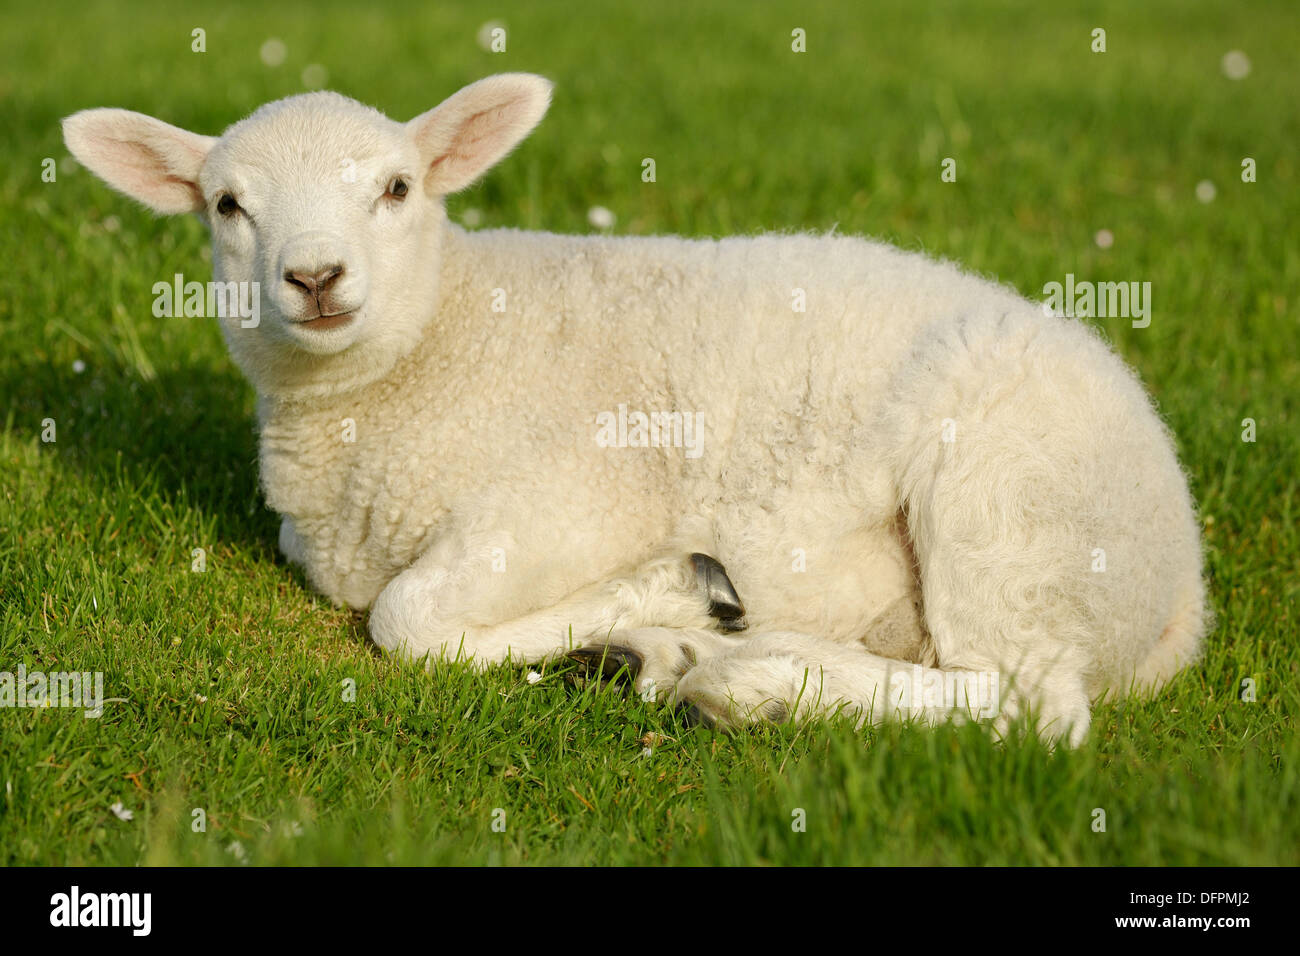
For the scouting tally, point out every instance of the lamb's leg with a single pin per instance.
(442, 606)
(728, 682)
(777, 675)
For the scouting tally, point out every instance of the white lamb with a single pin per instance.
(910, 482)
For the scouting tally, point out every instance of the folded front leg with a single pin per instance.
(450, 604)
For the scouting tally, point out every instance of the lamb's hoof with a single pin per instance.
(607, 661)
(693, 716)
(724, 602)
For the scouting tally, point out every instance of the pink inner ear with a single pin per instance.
(477, 143)
(473, 139)
(142, 171)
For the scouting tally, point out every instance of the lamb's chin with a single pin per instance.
(327, 335)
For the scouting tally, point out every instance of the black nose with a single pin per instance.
(313, 283)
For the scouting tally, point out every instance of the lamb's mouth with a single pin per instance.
(326, 322)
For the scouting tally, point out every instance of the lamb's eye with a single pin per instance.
(397, 188)
(226, 205)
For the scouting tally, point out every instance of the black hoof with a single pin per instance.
(776, 712)
(608, 661)
(724, 602)
(693, 716)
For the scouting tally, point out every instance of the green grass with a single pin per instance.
(232, 680)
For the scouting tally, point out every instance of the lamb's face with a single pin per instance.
(320, 201)
(329, 211)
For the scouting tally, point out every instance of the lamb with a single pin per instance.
(895, 503)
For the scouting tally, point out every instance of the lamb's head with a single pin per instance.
(333, 210)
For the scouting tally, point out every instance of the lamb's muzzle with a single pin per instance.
(315, 283)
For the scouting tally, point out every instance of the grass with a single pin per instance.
(232, 680)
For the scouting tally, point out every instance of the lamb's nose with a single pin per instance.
(313, 283)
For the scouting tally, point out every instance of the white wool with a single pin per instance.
(898, 463)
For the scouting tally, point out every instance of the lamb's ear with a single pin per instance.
(472, 130)
(141, 156)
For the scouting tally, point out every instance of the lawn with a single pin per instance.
(250, 722)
